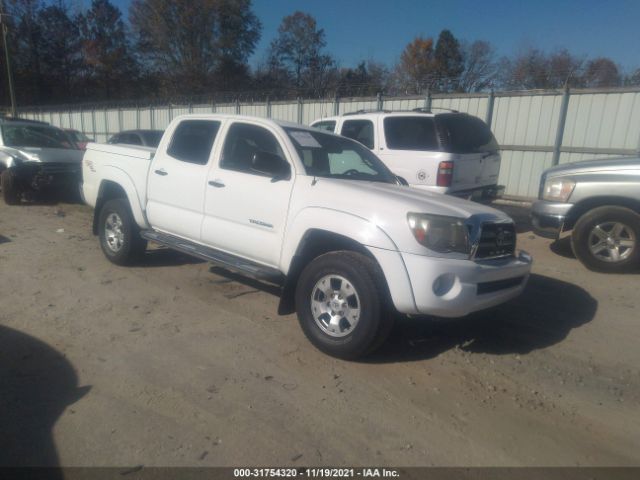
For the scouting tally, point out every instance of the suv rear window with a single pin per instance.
(461, 133)
(411, 133)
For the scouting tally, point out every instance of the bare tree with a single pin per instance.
(602, 72)
(480, 67)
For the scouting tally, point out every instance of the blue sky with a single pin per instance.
(379, 29)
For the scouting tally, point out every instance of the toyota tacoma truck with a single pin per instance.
(597, 202)
(34, 157)
(449, 152)
(315, 213)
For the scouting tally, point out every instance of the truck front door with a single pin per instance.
(245, 210)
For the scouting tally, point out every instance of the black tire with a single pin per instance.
(129, 247)
(585, 235)
(10, 188)
(375, 319)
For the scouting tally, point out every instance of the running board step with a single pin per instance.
(222, 259)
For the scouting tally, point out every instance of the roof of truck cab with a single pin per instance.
(231, 116)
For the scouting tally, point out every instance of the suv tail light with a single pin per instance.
(445, 174)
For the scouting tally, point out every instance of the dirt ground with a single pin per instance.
(173, 363)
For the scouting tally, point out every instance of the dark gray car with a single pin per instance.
(147, 138)
(35, 156)
(597, 201)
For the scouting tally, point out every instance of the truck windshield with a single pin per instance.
(325, 155)
(38, 136)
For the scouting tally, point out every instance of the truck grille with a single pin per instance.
(50, 168)
(496, 240)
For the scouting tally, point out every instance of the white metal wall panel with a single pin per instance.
(476, 106)
(526, 120)
(227, 108)
(254, 109)
(405, 104)
(520, 172)
(594, 120)
(312, 111)
(354, 104)
(129, 118)
(161, 118)
(603, 121)
(285, 111)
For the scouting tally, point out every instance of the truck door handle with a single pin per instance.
(216, 183)
(161, 172)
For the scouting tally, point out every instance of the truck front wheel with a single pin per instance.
(119, 234)
(607, 239)
(340, 304)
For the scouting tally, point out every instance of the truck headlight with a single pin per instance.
(440, 233)
(558, 189)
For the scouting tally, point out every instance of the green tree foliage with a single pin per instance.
(60, 50)
(297, 54)
(196, 45)
(449, 62)
(417, 68)
(111, 68)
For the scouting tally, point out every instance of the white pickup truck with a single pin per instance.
(316, 213)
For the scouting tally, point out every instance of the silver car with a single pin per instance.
(598, 202)
(35, 156)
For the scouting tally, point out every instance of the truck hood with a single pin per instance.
(45, 155)
(373, 200)
(386, 206)
(601, 165)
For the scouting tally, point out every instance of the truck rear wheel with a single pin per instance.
(119, 234)
(10, 188)
(607, 239)
(340, 304)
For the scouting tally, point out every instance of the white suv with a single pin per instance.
(450, 152)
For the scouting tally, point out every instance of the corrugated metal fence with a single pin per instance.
(535, 129)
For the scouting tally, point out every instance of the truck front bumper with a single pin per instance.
(455, 288)
(547, 218)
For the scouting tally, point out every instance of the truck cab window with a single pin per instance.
(192, 141)
(243, 142)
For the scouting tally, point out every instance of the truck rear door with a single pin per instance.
(178, 178)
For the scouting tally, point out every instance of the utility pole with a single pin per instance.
(5, 42)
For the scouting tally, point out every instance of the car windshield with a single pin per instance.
(78, 136)
(152, 139)
(38, 136)
(326, 155)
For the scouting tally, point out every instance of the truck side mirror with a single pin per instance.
(271, 165)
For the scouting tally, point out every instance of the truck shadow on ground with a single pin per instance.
(37, 384)
(562, 247)
(542, 316)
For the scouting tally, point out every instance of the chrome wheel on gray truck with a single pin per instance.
(119, 234)
(341, 304)
(606, 239)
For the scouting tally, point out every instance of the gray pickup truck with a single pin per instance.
(598, 201)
